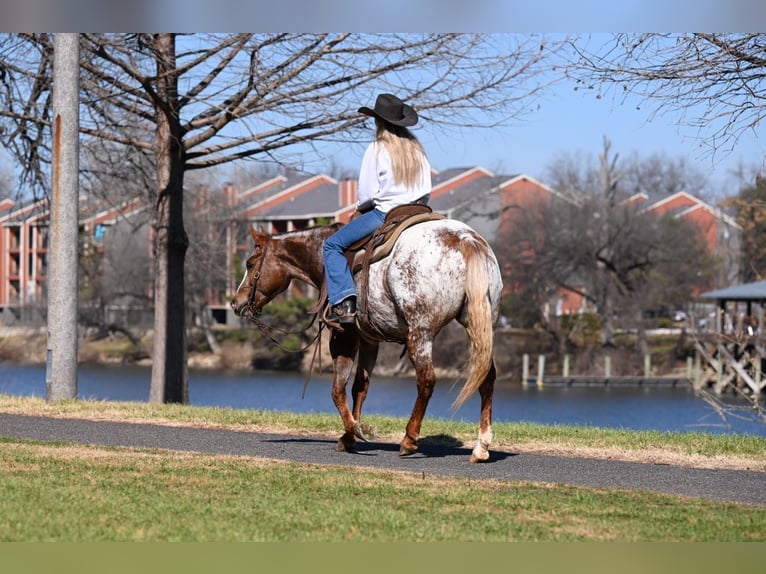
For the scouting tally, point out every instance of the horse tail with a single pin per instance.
(479, 324)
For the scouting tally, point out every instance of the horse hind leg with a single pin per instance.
(486, 390)
(420, 352)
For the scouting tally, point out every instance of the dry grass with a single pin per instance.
(671, 455)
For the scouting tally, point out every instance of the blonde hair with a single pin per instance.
(406, 152)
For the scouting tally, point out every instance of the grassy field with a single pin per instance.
(79, 493)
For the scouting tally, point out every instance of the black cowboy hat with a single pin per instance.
(393, 110)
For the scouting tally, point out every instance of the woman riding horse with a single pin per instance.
(394, 171)
(438, 271)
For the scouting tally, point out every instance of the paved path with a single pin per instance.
(435, 459)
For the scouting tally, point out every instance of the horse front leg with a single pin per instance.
(420, 349)
(368, 354)
(486, 389)
(343, 348)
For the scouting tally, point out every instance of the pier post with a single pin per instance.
(525, 369)
(607, 366)
(540, 369)
(719, 372)
(565, 367)
(647, 366)
(697, 371)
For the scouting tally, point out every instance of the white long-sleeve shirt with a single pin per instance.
(376, 181)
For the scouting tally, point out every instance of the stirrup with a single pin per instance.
(343, 313)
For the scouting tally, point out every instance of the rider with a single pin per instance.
(394, 171)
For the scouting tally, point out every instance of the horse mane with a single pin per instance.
(333, 227)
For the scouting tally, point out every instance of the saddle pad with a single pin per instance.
(381, 251)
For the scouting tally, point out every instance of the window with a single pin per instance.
(99, 232)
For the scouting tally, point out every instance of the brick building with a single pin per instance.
(24, 245)
(491, 203)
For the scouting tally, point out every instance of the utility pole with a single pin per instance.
(61, 366)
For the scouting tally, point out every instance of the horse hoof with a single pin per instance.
(407, 450)
(482, 458)
(364, 432)
(343, 446)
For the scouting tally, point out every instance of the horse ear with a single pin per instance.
(257, 236)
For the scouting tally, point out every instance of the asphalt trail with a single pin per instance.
(435, 457)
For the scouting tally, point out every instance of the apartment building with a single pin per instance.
(24, 243)
(489, 202)
(24, 251)
(719, 230)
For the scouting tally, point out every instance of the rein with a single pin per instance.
(254, 317)
(265, 329)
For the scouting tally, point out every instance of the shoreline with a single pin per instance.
(241, 351)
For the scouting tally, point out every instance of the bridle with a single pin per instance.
(253, 311)
(253, 315)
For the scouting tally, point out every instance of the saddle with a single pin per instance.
(378, 245)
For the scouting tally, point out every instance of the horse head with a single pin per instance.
(263, 280)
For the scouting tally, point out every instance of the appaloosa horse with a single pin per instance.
(436, 272)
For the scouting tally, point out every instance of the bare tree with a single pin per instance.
(6, 191)
(208, 224)
(662, 175)
(207, 100)
(622, 259)
(587, 238)
(749, 207)
(114, 270)
(521, 245)
(714, 83)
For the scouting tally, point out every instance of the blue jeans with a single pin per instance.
(340, 284)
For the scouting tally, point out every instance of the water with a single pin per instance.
(623, 407)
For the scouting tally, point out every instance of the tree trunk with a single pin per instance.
(169, 382)
(607, 318)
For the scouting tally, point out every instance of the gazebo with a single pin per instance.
(737, 353)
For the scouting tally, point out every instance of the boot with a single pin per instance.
(343, 312)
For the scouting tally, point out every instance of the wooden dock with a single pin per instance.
(647, 379)
(734, 357)
(732, 361)
(590, 381)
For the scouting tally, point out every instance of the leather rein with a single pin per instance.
(254, 315)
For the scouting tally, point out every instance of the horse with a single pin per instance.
(437, 271)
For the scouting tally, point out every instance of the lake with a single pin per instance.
(614, 406)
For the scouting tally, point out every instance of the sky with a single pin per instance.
(566, 121)
(576, 122)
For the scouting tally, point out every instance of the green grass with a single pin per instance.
(64, 493)
(58, 492)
